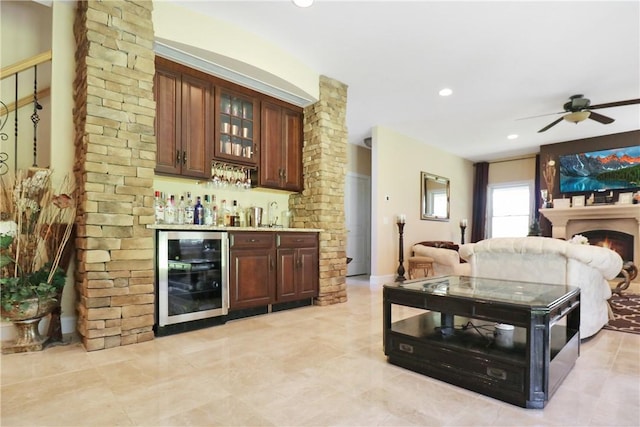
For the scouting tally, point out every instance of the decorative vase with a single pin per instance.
(26, 316)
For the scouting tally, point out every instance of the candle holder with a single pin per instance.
(401, 277)
(463, 227)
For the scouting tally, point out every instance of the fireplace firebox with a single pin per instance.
(617, 241)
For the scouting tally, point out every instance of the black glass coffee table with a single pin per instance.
(451, 337)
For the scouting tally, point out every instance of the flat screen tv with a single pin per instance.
(613, 169)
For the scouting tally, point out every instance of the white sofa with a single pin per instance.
(547, 260)
(446, 262)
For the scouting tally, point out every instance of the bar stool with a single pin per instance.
(423, 263)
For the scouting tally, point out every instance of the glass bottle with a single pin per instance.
(180, 210)
(235, 214)
(215, 212)
(198, 212)
(207, 211)
(158, 207)
(225, 214)
(189, 211)
(170, 211)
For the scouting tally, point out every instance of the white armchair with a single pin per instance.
(547, 260)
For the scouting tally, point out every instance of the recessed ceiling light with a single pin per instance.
(303, 3)
(445, 92)
(512, 136)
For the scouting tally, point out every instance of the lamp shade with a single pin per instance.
(577, 116)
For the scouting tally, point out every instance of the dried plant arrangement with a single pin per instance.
(35, 227)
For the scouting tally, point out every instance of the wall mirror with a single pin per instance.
(434, 197)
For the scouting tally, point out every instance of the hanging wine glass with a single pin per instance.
(247, 179)
(215, 179)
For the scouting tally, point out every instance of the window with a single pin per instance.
(510, 207)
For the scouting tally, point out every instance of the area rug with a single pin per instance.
(626, 313)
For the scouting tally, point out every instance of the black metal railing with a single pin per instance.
(14, 71)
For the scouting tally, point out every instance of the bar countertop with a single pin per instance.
(228, 229)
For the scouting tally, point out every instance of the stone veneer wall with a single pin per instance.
(115, 160)
(321, 204)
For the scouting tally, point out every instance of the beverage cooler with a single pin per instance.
(192, 286)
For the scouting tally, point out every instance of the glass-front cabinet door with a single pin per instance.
(236, 133)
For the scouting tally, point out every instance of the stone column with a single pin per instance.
(115, 160)
(321, 204)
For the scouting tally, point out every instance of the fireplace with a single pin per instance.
(620, 242)
(618, 224)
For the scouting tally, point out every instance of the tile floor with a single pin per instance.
(312, 366)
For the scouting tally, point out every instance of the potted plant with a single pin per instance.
(35, 227)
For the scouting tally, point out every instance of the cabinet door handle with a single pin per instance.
(184, 157)
(271, 263)
(178, 157)
(299, 262)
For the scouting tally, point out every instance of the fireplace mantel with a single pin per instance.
(566, 222)
(560, 216)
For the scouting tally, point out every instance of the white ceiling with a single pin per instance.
(504, 60)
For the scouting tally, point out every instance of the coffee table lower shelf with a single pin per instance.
(469, 359)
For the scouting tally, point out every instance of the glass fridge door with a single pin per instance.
(192, 276)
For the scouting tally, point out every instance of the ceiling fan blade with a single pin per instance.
(541, 115)
(550, 125)
(615, 104)
(600, 118)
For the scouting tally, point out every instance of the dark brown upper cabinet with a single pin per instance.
(183, 125)
(281, 141)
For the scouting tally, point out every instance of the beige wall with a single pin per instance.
(48, 28)
(396, 165)
(18, 45)
(359, 159)
(175, 23)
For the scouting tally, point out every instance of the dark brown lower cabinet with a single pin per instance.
(269, 268)
(252, 269)
(297, 269)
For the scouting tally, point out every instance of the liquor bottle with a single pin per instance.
(207, 212)
(189, 210)
(180, 210)
(158, 207)
(198, 212)
(242, 217)
(235, 214)
(170, 211)
(215, 212)
(225, 214)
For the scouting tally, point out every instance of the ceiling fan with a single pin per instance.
(579, 108)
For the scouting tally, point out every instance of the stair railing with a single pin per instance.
(13, 71)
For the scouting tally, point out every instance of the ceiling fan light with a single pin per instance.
(303, 3)
(577, 116)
